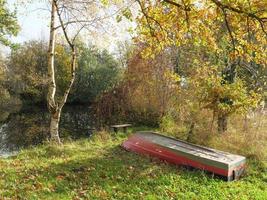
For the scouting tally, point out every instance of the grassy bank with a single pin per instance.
(101, 169)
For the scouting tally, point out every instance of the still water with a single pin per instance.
(29, 126)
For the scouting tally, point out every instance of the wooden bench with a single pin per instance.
(123, 126)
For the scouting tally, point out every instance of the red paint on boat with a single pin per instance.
(140, 145)
(145, 147)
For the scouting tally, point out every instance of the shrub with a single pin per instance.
(246, 136)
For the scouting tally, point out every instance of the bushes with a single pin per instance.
(192, 115)
(143, 94)
(171, 127)
(97, 72)
(8, 101)
(246, 136)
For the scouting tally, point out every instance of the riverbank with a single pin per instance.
(100, 169)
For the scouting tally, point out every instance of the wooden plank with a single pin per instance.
(120, 125)
(124, 126)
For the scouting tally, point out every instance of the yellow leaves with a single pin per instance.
(105, 2)
(127, 13)
(174, 77)
(210, 40)
(207, 28)
(224, 98)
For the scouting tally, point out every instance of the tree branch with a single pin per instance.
(260, 20)
(237, 10)
(73, 58)
(63, 26)
(229, 29)
(152, 30)
(177, 5)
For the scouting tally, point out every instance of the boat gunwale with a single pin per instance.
(228, 165)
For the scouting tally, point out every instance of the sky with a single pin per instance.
(33, 19)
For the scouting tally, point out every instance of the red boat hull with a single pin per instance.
(142, 144)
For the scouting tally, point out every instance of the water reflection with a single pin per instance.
(30, 126)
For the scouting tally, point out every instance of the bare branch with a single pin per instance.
(63, 27)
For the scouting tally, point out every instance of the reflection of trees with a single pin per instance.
(3, 116)
(5, 112)
(76, 120)
(25, 129)
(30, 126)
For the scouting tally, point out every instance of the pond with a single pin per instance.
(29, 126)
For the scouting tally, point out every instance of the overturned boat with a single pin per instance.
(225, 165)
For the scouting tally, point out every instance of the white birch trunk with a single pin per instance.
(54, 125)
(51, 59)
(52, 106)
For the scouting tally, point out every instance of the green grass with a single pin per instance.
(101, 169)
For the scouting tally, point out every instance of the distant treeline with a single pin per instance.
(23, 73)
(184, 96)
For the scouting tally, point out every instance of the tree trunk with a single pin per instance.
(222, 123)
(51, 104)
(51, 59)
(229, 76)
(54, 125)
(190, 132)
(54, 107)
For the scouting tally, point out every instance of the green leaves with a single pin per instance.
(105, 2)
(118, 18)
(127, 13)
(211, 92)
(98, 72)
(8, 24)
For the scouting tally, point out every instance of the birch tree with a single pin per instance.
(71, 18)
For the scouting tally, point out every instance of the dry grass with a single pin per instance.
(246, 136)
